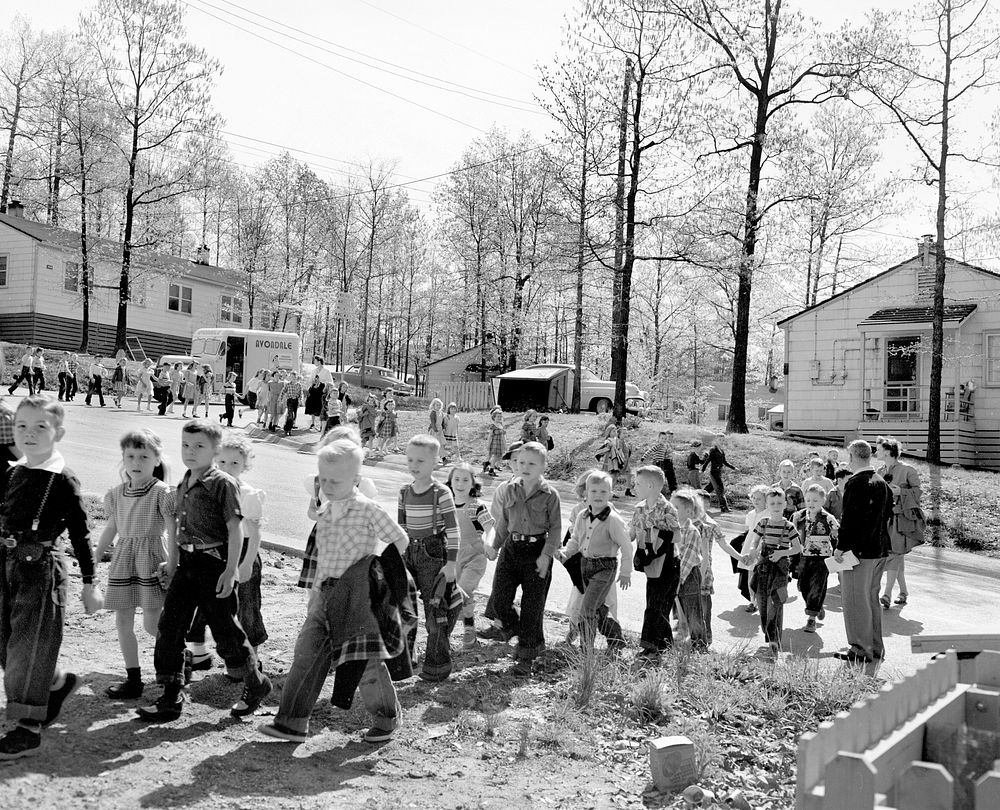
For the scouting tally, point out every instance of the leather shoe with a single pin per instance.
(163, 711)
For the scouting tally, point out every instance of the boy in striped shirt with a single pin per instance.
(427, 513)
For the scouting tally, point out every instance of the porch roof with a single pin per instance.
(955, 313)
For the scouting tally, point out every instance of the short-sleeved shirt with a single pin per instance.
(474, 520)
(251, 503)
(350, 530)
(423, 514)
(205, 506)
(795, 499)
(775, 535)
(688, 544)
(534, 514)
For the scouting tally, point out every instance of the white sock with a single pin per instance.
(199, 650)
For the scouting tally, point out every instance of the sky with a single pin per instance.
(305, 75)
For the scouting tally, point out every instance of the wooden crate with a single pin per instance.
(916, 745)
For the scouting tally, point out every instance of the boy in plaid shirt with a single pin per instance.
(340, 626)
(688, 545)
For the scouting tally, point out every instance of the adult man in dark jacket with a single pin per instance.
(867, 508)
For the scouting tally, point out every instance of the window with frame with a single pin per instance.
(232, 309)
(179, 299)
(71, 277)
(3, 270)
(723, 412)
(991, 348)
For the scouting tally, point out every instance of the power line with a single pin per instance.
(383, 61)
(333, 69)
(439, 35)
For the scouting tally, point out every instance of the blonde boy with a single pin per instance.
(777, 541)
(818, 531)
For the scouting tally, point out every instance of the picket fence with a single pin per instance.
(929, 742)
(469, 396)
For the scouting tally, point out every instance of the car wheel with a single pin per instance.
(602, 405)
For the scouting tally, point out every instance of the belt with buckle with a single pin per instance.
(517, 537)
(191, 548)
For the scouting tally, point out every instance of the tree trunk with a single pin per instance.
(124, 292)
(84, 254)
(617, 296)
(581, 242)
(8, 166)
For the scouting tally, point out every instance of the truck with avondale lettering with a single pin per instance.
(245, 351)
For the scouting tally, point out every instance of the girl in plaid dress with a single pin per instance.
(387, 429)
(119, 382)
(475, 525)
(436, 416)
(498, 443)
(139, 511)
(451, 450)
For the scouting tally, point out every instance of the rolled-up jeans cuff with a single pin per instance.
(21, 711)
(299, 724)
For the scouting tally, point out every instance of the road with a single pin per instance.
(950, 591)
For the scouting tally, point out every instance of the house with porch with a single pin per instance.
(858, 364)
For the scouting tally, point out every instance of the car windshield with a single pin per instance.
(586, 374)
(203, 346)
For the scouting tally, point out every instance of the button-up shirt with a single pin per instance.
(647, 522)
(534, 514)
(97, 370)
(350, 530)
(204, 506)
(687, 544)
(594, 537)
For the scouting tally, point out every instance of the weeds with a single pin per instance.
(650, 697)
(523, 736)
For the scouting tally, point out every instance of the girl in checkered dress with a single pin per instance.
(476, 527)
(451, 450)
(139, 511)
(498, 443)
(387, 430)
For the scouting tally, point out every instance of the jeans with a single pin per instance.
(689, 596)
(293, 411)
(769, 577)
(193, 589)
(516, 567)
(661, 592)
(230, 412)
(32, 607)
(720, 489)
(248, 612)
(598, 578)
(813, 576)
(164, 397)
(862, 612)
(26, 377)
(311, 664)
(424, 559)
(71, 387)
(63, 385)
(95, 388)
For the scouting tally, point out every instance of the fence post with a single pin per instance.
(988, 791)
(925, 786)
(849, 783)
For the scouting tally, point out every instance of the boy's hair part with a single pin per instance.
(843, 472)
(425, 442)
(652, 473)
(341, 450)
(537, 449)
(600, 475)
(236, 441)
(758, 489)
(816, 489)
(688, 498)
(775, 492)
(204, 426)
(52, 408)
(786, 463)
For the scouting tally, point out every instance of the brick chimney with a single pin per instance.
(202, 254)
(927, 248)
(15, 209)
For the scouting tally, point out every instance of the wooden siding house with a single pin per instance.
(41, 300)
(463, 366)
(858, 364)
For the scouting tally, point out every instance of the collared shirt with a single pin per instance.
(26, 360)
(594, 537)
(97, 370)
(535, 514)
(72, 365)
(292, 390)
(647, 522)
(816, 534)
(688, 544)
(350, 530)
(6, 425)
(205, 506)
(710, 535)
(21, 504)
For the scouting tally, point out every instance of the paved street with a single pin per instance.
(949, 591)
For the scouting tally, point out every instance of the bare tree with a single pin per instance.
(951, 57)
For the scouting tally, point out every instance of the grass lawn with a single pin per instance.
(966, 500)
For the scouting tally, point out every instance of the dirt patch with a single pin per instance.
(573, 736)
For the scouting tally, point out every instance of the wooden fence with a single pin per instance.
(926, 742)
(469, 396)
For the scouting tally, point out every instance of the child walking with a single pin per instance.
(366, 420)
(777, 541)
(435, 425)
(119, 382)
(229, 398)
(427, 513)
(275, 400)
(234, 458)
(353, 623)
(652, 529)
(497, 445)
(475, 526)
(660, 455)
(794, 497)
(201, 567)
(263, 398)
(529, 427)
(688, 546)
(614, 454)
(144, 385)
(314, 402)
(711, 535)
(138, 510)
(40, 500)
(176, 380)
(598, 535)
(817, 530)
(528, 530)
(451, 423)
(388, 431)
(291, 393)
(190, 391)
(206, 379)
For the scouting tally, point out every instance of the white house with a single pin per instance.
(41, 301)
(858, 364)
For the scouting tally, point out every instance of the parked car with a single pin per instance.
(549, 386)
(377, 377)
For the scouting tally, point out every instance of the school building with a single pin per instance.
(858, 364)
(41, 298)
